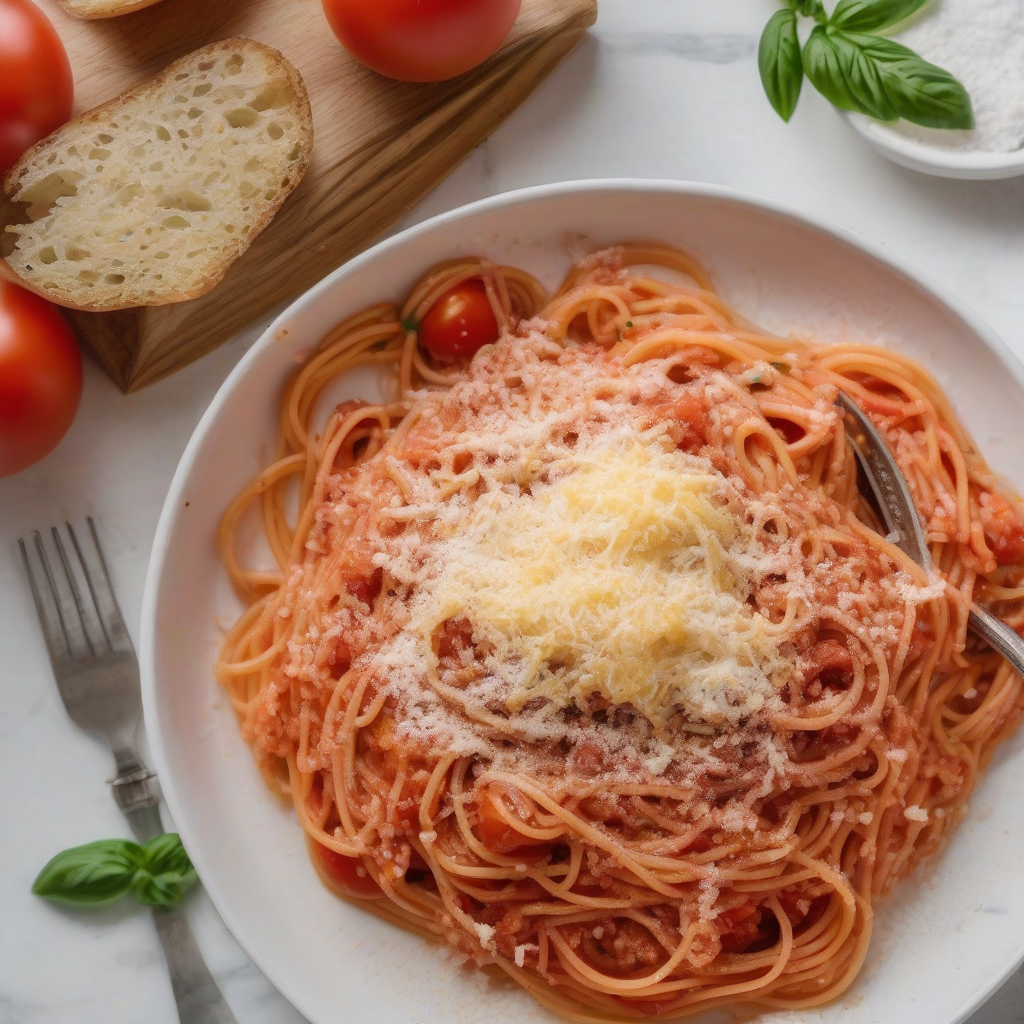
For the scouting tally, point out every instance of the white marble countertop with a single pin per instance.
(660, 88)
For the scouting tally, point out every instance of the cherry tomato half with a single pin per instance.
(346, 875)
(421, 40)
(36, 88)
(460, 323)
(40, 378)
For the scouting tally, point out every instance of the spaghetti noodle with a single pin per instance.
(588, 658)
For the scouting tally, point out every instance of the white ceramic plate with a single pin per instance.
(943, 941)
(937, 160)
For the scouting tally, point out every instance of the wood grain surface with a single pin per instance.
(379, 146)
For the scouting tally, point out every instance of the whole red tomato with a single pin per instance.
(40, 378)
(36, 88)
(421, 40)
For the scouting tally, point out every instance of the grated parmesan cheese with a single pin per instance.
(616, 579)
(485, 933)
(519, 954)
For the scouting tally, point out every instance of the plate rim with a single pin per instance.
(173, 503)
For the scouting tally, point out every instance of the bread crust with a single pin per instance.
(92, 12)
(99, 116)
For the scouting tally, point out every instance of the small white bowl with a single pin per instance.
(945, 163)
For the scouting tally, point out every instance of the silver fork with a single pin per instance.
(98, 677)
(889, 486)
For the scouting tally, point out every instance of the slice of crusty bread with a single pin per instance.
(149, 198)
(90, 9)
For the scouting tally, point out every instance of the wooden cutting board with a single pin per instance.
(379, 146)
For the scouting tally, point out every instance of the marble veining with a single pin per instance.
(709, 48)
(616, 107)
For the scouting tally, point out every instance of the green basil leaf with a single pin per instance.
(845, 75)
(165, 853)
(165, 872)
(809, 8)
(93, 874)
(918, 91)
(872, 15)
(780, 64)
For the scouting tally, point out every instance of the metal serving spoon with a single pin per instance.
(904, 525)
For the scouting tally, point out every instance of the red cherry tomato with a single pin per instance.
(347, 875)
(36, 88)
(460, 323)
(421, 40)
(40, 378)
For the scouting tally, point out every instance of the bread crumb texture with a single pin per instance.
(150, 198)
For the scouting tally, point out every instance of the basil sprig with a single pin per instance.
(156, 874)
(854, 69)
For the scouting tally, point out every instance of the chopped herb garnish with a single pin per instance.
(409, 324)
(629, 323)
(781, 367)
(756, 379)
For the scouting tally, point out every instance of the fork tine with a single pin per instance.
(102, 592)
(89, 583)
(73, 632)
(76, 594)
(48, 610)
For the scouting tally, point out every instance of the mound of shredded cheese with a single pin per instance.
(616, 579)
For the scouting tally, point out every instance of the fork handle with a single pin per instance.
(195, 992)
(135, 793)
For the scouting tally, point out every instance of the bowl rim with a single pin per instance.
(173, 503)
(920, 156)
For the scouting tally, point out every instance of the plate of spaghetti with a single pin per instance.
(519, 640)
